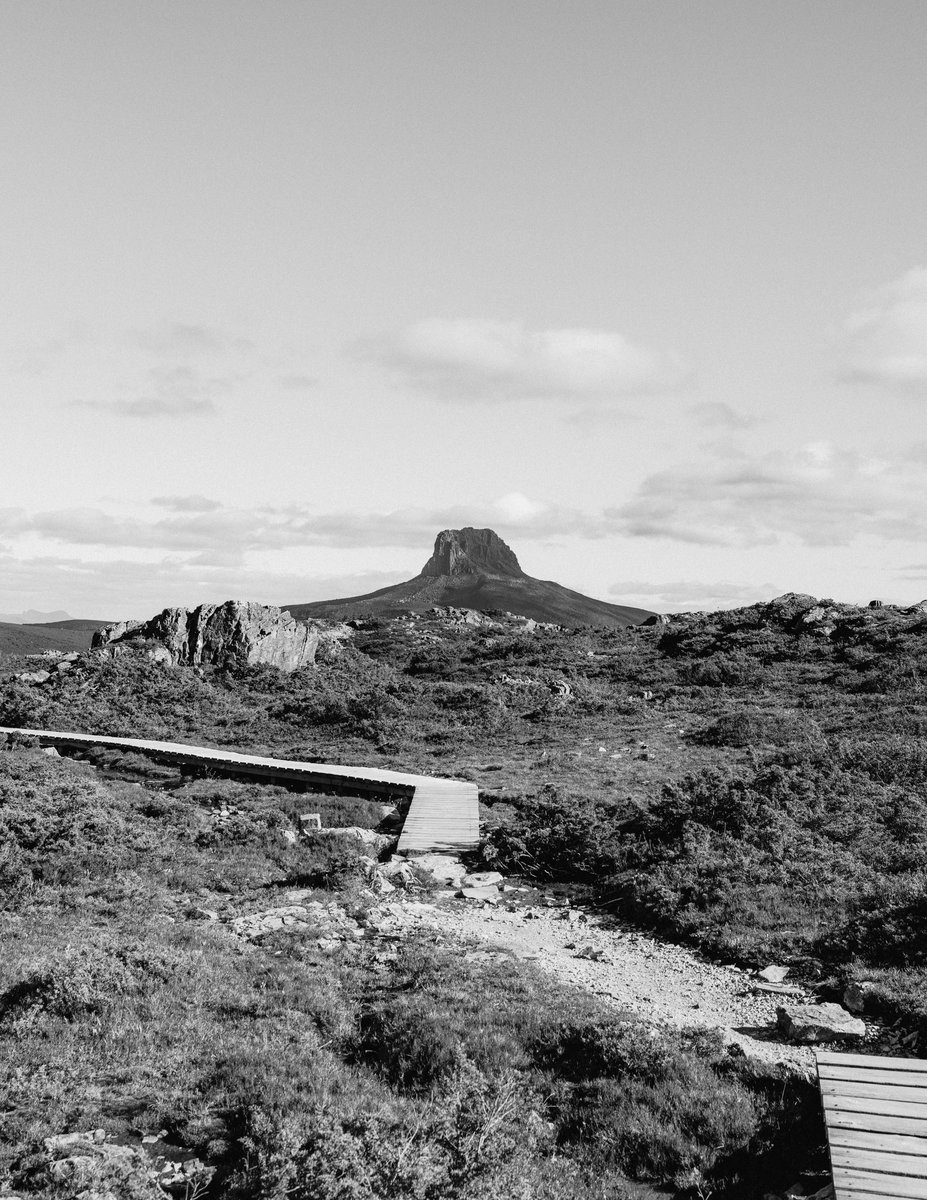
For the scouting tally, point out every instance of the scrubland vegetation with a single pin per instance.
(292, 1070)
(743, 781)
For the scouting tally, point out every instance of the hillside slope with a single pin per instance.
(474, 568)
(53, 635)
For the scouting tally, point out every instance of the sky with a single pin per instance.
(285, 289)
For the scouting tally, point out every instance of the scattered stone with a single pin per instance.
(318, 917)
(811, 1023)
(184, 1179)
(591, 952)
(779, 989)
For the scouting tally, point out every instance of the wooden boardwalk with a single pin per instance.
(875, 1110)
(443, 814)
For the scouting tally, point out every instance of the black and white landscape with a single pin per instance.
(463, 643)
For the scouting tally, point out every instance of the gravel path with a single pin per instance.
(667, 984)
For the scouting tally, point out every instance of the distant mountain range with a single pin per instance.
(32, 617)
(474, 568)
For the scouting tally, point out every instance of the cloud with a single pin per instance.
(297, 382)
(178, 339)
(717, 415)
(152, 406)
(690, 595)
(194, 503)
(885, 341)
(478, 359)
(121, 588)
(177, 390)
(194, 525)
(817, 494)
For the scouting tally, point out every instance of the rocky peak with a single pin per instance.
(471, 552)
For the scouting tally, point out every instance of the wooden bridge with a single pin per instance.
(443, 814)
(875, 1110)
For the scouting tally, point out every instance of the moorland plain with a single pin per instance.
(753, 782)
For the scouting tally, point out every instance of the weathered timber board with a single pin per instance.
(893, 1142)
(849, 1182)
(869, 1104)
(859, 1075)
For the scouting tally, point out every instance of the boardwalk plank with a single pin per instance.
(876, 1062)
(852, 1074)
(869, 1104)
(862, 1159)
(849, 1182)
(875, 1091)
(868, 1139)
(839, 1120)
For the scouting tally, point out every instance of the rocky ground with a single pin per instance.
(666, 984)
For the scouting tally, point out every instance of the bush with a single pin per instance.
(82, 981)
(886, 925)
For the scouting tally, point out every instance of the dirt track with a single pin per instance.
(669, 985)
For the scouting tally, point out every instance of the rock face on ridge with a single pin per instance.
(470, 552)
(474, 569)
(222, 634)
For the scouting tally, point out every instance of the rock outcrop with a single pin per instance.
(225, 634)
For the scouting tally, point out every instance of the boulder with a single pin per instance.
(773, 974)
(858, 995)
(482, 879)
(444, 867)
(489, 895)
(367, 837)
(225, 634)
(810, 1023)
(34, 676)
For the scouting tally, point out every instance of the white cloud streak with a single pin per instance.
(817, 495)
(885, 341)
(485, 360)
(691, 595)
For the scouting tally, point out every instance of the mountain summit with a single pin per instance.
(472, 552)
(474, 568)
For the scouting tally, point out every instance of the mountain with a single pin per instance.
(474, 568)
(32, 617)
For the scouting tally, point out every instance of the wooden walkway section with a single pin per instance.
(443, 815)
(875, 1110)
